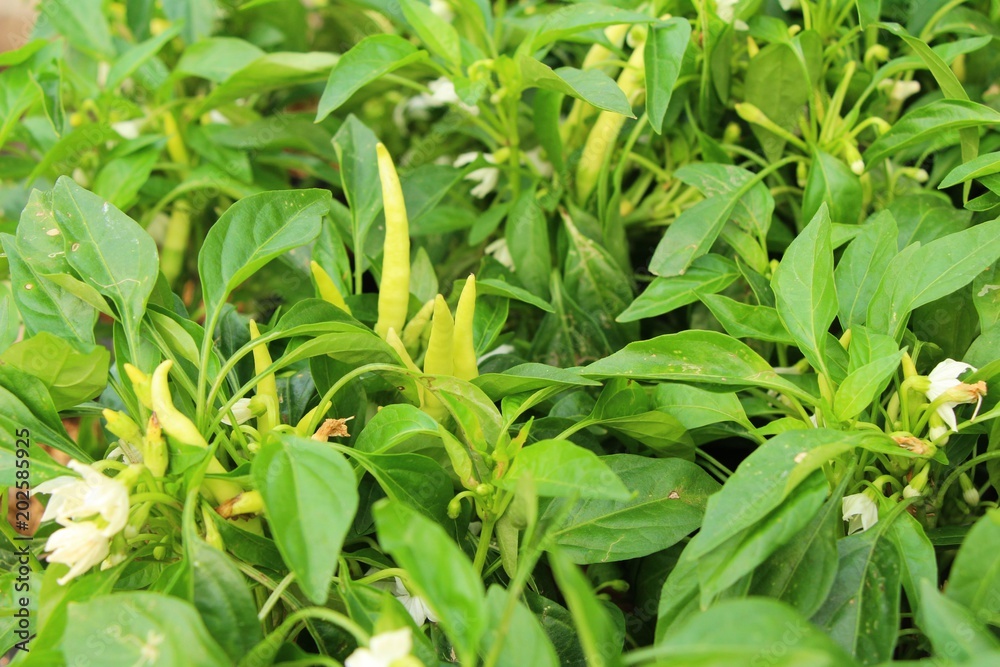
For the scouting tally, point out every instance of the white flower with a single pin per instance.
(860, 512)
(534, 157)
(241, 410)
(487, 177)
(501, 253)
(125, 452)
(382, 650)
(904, 89)
(79, 545)
(789, 5)
(128, 129)
(443, 9)
(414, 604)
(858, 167)
(944, 382)
(442, 93)
(74, 499)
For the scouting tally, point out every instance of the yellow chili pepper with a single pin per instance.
(121, 425)
(439, 357)
(326, 288)
(414, 329)
(178, 426)
(154, 449)
(267, 388)
(394, 290)
(604, 134)
(464, 355)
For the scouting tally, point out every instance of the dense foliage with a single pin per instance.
(395, 332)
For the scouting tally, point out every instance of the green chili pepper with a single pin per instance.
(267, 388)
(394, 290)
(602, 138)
(397, 344)
(326, 288)
(464, 355)
(415, 328)
(439, 359)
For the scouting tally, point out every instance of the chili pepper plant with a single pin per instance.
(418, 333)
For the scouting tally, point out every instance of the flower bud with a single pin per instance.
(140, 384)
(454, 508)
(122, 426)
(917, 483)
(969, 492)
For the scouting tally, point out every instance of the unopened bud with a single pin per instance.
(454, 508)
(917, 483)
(969, 492)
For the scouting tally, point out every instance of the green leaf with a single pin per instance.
(862, 266)
(862, 612)
(272, 71)
(83, 24)
(310, 498)
(984, 165)
(354, 144)
(802, 571)
(804, 289)
(752, 212)
(923, 217)
(954, 630)
(251, 233)
(528, 377)
(917, 558)
(417, 481)
(668, 502)
(44, 305)
(663, 55)
(743, 320)
(223, 599)
(369, 59)
(922, 274)
(525, 642)
(137, 56)
(929, 122)
(527, 237)
(216, 58)
(438, 570)
(765, 478)
(120, 179)
(569, 20)
(396, 425)
(778, 84)
(695, 407)
(71, 376)
(726, 564)
(598, 635)
(197, 16)
(975, 575)
(693, 356)
(439, 35)
(869, 12)
(592, 86)
(832, 182)
(71, 148)
(691, 235)
(112, 253)
(862, 386)
(732, 630)
(708, 274)
(559, 468)
(144, 624)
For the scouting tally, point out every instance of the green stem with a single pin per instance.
(953, 477)
(484, 543)
(275, 596)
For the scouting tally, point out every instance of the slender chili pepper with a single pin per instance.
(602, 138)
(464, 355)
(415, 328)
(394, 290)
(178, 426)
(175, 241)
(439, 357)
(397, 344)
(326, 288)
(267, 388)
